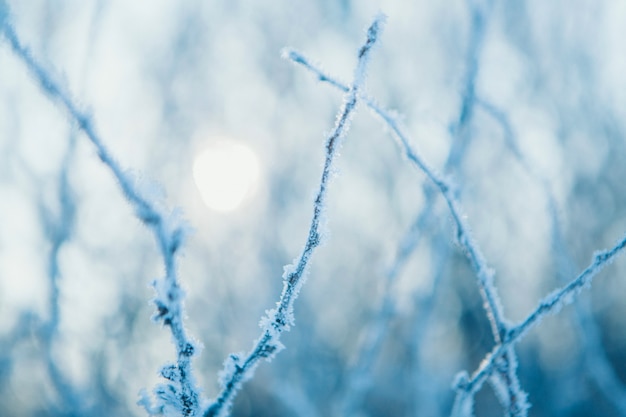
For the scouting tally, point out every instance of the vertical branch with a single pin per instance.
(238, 369)
(462, 137)
(59, 230)
(360, 378)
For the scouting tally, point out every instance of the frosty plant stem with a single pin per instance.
(180, 393)
(485, 274)
(512, 398)
(502, 359)
(467, 387)
(516, 398)
(239, 368)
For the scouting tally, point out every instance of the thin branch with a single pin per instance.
(238, 369)
(550, 304)
(446, 189)
(167, 229)
(515, 398)
(596, 361)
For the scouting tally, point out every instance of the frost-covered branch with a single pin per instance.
(239, 368)
(180, 392)
(595, 357)
(446, 189)
(484, 274)
(596, 361)
(467, 387)
(565, 295)
(460, 128)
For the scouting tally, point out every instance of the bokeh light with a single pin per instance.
(226, 175)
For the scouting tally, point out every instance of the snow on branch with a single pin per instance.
(515, 399)
(180, 392)
(239, 368)
(466, 387)
(179, 395)
(445, 187)
(595, 360)
(508, 335)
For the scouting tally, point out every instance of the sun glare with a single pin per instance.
(226, 174)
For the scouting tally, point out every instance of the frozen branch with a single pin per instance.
(240, 368)
(596, 361)
(467, 387)
(181, 391)
(446, 189)
(484, 274)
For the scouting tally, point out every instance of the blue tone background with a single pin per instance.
(529, 98)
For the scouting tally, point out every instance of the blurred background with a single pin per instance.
(522, 104)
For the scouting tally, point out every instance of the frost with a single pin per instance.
(170, 372)
(373, 32)
(461, 381)
(232, 365)
(237, 369)
(178, 394)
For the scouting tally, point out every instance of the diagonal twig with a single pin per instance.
(239, 368)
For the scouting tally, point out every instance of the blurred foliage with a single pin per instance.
(521, 104)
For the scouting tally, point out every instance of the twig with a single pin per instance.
(168, 230)
(239, 368)
(484, 274)
(467, 387)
